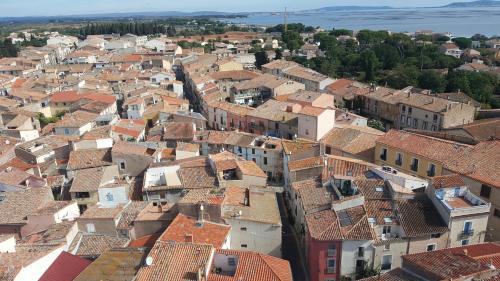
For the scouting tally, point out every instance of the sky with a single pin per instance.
(15, 8)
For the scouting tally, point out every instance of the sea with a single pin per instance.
(458, 21)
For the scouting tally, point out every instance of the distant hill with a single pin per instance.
(347, 8)
(480, 3)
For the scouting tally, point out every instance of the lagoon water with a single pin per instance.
(458, 21)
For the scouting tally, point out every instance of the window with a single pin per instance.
(387, 247)
(328, 150)
(485, 191)
(231, 261)
(330, 265)
(109, 197)
(361, 252)
(403, 109)
(403, 119)
(432, 170)
(386, 262)
(253, 150)
(468, 228)
(332, 250)
(431, 247)
(408, 121)
(386, 229)
(433, 128)
(66, 131)
(90, 228)
(435, 118)
(307, 132)
(383, 154)
(414, 164)
(435, 235)
(399, 159)
(122, 165)
(244, 245)
(410, 110)
(243, 229)
(265, 160)
(465, 242)
(424, 125)
(415, 123)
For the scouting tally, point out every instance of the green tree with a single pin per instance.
(369, 64)
(402, 76)
(432, 80)
(376, 124)
(462, 42)
(261, 59)
(278, 53)
(292, 40)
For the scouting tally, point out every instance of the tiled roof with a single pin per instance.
(179, 131)
(76, 119)
(176, 261)
(372, 189)
(312, 111)
(291, 147)
(98, 212)
(51, 207)
(93, 245)
(418, 217)
(343, 166)
(315, 198)
(25, 255)
(115, 265)
(262, 206)
(197, 177)
(185, 146)
(15, 206)
(306, 163)
(481, 163)
(444, 264)
(66, 267)
(447, 181)
(250, 168)
(325, 225)
(252, 266)
(130, 213)
(396, 274)
(89, 158)
(125, 147)
(353, 140)
(428, 147)
(236, 75)
(187, 229)
(147, 241)
(86, 180)
(129, 127)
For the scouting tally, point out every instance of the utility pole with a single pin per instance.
(286, 20)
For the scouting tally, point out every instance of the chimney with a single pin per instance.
(159, 208)
(247, 197)
(188, 238)
(465, 252)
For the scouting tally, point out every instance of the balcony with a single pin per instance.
(386, 266)
(465, 234)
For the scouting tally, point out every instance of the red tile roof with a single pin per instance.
(66, 267)
(253, 266)
(187, 229)
(447, 181)
(145, 241)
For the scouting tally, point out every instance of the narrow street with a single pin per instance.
(290, 248)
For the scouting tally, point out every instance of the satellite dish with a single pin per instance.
(149, 261)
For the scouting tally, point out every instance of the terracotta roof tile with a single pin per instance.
(186, 229)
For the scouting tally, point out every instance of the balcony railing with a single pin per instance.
(330, 270)
(466, 233)
(386, 266)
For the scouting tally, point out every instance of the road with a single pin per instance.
(290, 248)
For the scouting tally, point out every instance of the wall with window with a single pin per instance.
(490, 194)
(323, 261)
(394, 247)
(419, 244)
(255, 236)
(114, 195)
(356, 255)
(407, 162)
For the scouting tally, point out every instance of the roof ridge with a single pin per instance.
(263, 257)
